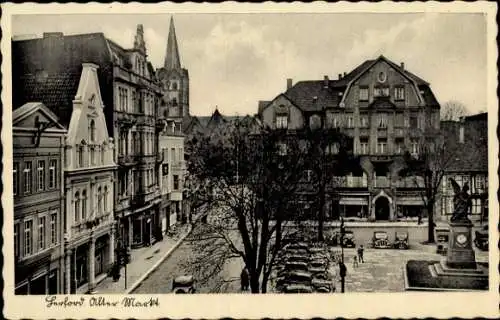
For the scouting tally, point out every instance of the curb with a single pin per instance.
(157, 264)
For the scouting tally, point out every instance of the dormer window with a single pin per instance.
(381, 92)
(399, 93)
(363, 94)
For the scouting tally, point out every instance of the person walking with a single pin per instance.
(360, 254)
(244, 279)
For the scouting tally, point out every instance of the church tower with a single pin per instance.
(174, 80)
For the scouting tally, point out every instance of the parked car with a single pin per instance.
(322, 285)
(297, 288)
(401, 240)
(296, 258)
(183, 284)
(380, 240)
(481, 238)
(299, 276)
(295, 265)
(333, 240)
(297, 246)
(349, 241)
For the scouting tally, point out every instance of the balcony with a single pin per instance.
(147, 196)
(356, 182)
(126, 161)
(381, 182)
(410, 183)
(382, 133)
(125, 119)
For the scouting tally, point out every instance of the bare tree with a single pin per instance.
(252, 181)
(453, 110)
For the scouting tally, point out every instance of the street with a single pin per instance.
(160, 281)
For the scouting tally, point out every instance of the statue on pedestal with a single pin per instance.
(462, 202)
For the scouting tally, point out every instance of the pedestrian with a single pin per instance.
(360, 254)
(419, 221)
(355, 262)
(244, 279)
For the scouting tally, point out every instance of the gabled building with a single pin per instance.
(130, 94)
(385, 109)
(38, 189)
(468, 138)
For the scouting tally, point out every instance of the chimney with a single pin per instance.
(402, 65)
(345, 73)
(340, 76)
(461, 133)
(326, 82)
(289, 83)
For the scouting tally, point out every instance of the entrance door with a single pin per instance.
(382, 209)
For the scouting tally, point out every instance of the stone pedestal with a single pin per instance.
(460, 251)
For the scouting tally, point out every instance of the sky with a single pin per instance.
(235, 60)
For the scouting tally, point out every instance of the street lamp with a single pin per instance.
(342, 267)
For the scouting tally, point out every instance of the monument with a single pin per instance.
(460, 259)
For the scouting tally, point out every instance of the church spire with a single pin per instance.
(172, 59)
(139, 43)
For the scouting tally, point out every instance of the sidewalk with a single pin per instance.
(142, 260)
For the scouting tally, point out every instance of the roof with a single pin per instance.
(472, 154)
(32, 107)
(172, 58)
(313, 96)
(56, 91)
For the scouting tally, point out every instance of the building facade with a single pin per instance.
(468, 139)
(130, 94)
(386, 110)
(38, 155)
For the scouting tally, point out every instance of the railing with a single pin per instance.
(90, 223)
(356, 182)
(381, 182)
(410, 182)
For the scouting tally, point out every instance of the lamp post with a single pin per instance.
(342, 267)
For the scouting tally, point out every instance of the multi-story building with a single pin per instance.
(386, 110)
(37, 185)
(88, 224)
(130, 94)
(467, 140)
(172, 115)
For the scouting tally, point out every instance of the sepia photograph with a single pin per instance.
(171, 151)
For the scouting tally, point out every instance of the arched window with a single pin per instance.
(77, 206)
(80, 156)
(92, 130)
(99, 200)
(103, 149)
(105, 199)
(84, 204)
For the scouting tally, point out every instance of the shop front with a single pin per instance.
(354, 207)
(410, 208)
(37, 276)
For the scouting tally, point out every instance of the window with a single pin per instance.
(308, 174)
(41, 175)
(174, 102)
(363, 121)
(102, 154)
(176, 182)
(282, 149)
(92, 155)
(80, 156)
(105, 199)
(17, 240)
(174, 85)
(381, 92)
(92, 130)
(382, 76)
(41, 233)
(281, 122)
(363, 94)
(479, 184)
(53, 228)
(414, 147)
(52, 173)
(173, 155)
(399, 93)
(350, 121)
(27, 177)
(413, 121)
(406, 122)
(77, 207)
(99, 200)
(15, 178)
(364, 146)
(332, 148)
(381, 146)
(476, 206)
(382, 122)
(84, 204)
(28, 237)
(399, 146)
(165, 169)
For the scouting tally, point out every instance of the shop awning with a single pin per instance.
(410, 201)
(354, 201)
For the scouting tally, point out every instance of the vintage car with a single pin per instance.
(333, 239)
(380, 240)
(314, 250)
(296, 258)
(401, 240)
(183, 284)
(321, 285)
(296, 265)
(299, 276)
(317, 267)
(297, 288)
(348, 241)
(297, 246)
(481, 238)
